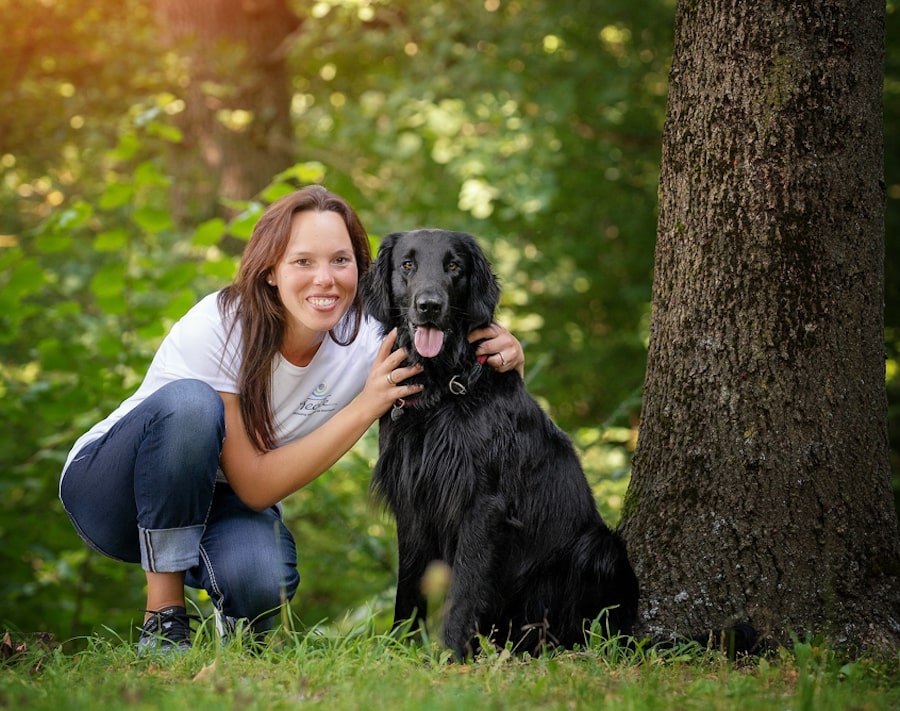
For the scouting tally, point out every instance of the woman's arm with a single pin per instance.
(262, 479)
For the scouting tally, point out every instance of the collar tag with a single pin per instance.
(456, 387)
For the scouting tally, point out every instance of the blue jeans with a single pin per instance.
(146, 493)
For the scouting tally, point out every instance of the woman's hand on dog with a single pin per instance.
(503, 350)
(385, 385)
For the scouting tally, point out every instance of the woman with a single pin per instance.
(255, 392)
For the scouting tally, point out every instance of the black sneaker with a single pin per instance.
(252, 634)
(166, 630)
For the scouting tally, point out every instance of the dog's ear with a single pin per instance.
(376, 284)
(484, 292)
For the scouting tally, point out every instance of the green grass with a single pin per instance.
(371, 671)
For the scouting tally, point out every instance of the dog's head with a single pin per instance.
(428, 284)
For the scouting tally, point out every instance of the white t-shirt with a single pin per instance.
(303, 398)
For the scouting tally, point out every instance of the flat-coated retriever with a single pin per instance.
(478, 476)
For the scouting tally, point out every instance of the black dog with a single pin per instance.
(478, 476)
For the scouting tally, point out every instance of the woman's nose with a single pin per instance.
(324, 276)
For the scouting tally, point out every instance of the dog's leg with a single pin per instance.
(414, 556)
(478, 571)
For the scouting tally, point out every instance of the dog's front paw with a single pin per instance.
(458, 638)
(459, 653)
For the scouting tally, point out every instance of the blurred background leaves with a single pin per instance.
(141, 139)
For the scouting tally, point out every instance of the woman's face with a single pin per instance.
(316, 276)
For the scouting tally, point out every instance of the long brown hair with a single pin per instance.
(252, 301)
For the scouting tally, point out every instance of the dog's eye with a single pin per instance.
(452, 267)
(406, 265)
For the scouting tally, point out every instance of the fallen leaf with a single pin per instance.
(208, 672)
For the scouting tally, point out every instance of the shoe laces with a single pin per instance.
(171, 624)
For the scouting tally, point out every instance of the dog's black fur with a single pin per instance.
(482, 479)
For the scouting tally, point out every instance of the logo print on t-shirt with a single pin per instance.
(318, 401)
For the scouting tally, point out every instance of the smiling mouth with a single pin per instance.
(323, 303)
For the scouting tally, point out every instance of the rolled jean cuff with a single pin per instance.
(170, 550)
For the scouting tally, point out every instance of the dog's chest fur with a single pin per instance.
(438, 459)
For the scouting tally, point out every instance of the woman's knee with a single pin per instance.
(191, 403)
(249, 565)
(258, 590)
(188, 424)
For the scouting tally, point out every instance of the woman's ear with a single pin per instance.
(376, 284)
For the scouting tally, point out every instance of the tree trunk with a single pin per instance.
(761, 487)
(234, 81)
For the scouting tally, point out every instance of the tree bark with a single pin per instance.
(231, 58)
(761, 487)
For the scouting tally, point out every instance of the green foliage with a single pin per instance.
(535, 126)
(69, 71)
(85, 297)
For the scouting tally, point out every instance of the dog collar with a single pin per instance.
(458, 385)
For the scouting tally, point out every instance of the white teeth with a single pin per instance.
(322, 302)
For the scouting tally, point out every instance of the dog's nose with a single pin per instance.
(429, 306)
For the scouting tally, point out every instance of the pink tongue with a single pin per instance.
(429, 341)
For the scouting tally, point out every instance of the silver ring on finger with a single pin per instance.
(389, 378)
(502, 359)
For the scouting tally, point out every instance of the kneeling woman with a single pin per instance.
(255, 392)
